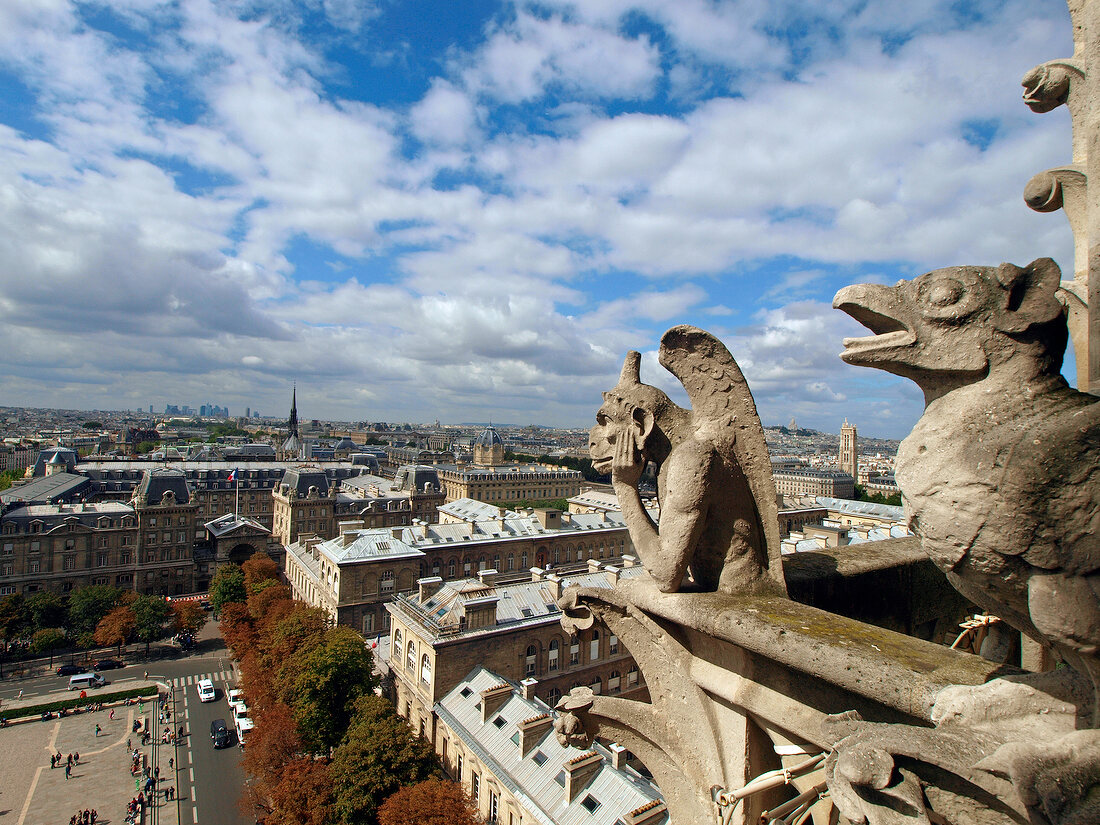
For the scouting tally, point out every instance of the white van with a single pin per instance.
(83, 681)
(244, 727)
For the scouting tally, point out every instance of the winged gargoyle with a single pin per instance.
(719, 518)
(1001, 475)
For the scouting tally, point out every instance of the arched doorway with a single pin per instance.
(241, 553)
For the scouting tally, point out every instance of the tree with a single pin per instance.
(151, 615)
(431, 802)
(267, 593)
(88, 605)
(227, 586)
(379, 754)
(259, 568)
(273, 743)
(45, 609)
(116, 627)
(321, 685)
(237, 630)
(48, 639)
(9, 477)
(187, 617)
(303, 795)
(13, 617)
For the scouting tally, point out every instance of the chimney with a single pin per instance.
(618, 756)
(593, 565)
(528, 686)
(396, 532)
(647, 814)
(427, 587)
(612, 574)
(531, 732)
(553, 584)
(629, 560)
(310, 543)
(487, 577)
(537, 573)
(579, 772)
(549, 519)
(492, 699)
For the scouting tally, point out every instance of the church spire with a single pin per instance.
(292, 424)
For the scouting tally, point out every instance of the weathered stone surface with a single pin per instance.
(719, 519)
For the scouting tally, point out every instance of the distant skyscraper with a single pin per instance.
(247, 412)
(849, 451)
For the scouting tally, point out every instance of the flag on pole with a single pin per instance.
(232, 474)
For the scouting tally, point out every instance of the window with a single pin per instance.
(7, 589)
(396, 641)
(532, 654)
(511, 562)
(575, 653)
(632, 675)
(410, 657)
(70, 563)
(152, 521)
(6, 569)
(34, 566)
(553, 697)
(494, 805)
(523, 560)
(124, 558)
(475, 787)
(554, 649)
(102, 559)
(539, 757)
(387, 581)
(590, 803)
(9, 549)
(425, 670)
(613, 645)
(499, 722)
(594, 646)
(458, 767)
(451, 569)
(597, 685)
(613, 682)
(560, 778)
(35, 546)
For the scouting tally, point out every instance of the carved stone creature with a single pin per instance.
(1000, 475)
(718, 511)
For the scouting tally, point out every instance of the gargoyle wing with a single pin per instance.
(723, 409)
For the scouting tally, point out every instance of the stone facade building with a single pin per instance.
(353, 575)
(813, 481)
(848, 458)
(442, 630)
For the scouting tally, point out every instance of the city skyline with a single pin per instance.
(472, 211)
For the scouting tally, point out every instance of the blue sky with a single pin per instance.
(464, 211)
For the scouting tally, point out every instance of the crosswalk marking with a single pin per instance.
(218, 676)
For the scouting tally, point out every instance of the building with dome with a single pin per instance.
(489, 478)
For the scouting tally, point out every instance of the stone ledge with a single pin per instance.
(887, 668)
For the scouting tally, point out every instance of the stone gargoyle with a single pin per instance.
(719, 519)
(1000, 481)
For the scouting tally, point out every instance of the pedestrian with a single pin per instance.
(95, 815)
(59, 757)
(68, 770)
(129, 744)
(111, 715)
(76, 757)
(156, 772)
(20, 694)
(171, 763)
(69, 760)
(181, 732)
(146, 676)
(53, 761)
(97, 730)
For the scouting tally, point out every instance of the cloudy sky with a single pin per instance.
(469, 210)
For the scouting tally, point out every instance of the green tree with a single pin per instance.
(116, 627)
(227, 586)
(9, 477)
(322, 684)
(151, 617)
(45, 609)
(145, 447)
(14, 620)
(47, 640)
(379, 754)
(88, 606)
(92, 425)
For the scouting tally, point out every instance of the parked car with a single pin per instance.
(70, 670)
(108, 664)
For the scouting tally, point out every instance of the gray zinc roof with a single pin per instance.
(617, 791)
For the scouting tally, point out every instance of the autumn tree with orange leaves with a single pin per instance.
(431, 802)
(116, 627)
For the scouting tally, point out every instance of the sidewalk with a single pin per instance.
(35, 794)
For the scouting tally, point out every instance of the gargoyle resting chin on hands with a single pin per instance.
(719, 525)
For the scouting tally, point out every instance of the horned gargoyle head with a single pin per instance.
(631, 409)
(951, 326)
